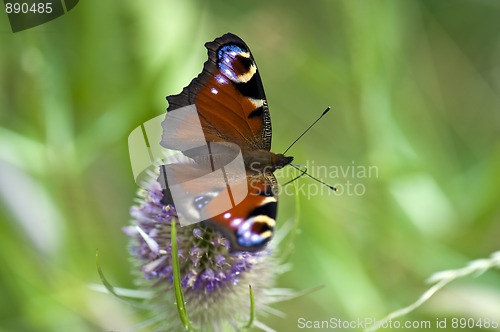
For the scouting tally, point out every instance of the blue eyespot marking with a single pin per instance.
(232, 63)
(231, 50)
(201, 201)
(253, 232)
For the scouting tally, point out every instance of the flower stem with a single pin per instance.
(179, 296)
(252, 309)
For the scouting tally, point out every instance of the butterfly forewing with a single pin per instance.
(229, 96)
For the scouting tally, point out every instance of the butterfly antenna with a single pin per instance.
(316, 179)
(304, 172)
(305, 131)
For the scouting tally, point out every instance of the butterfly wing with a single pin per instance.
(229, 96)
(250, 224)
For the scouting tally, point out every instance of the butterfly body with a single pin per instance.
(232, 109)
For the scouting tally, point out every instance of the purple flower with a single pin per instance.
(214, 280)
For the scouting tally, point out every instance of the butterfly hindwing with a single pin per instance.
(250, 224)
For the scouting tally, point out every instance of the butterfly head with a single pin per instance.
(282, 160)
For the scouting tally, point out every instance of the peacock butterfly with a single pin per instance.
(231, 107)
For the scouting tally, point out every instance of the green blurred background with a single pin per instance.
(415, 87)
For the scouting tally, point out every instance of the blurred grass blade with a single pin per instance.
(441, 279)
(123, 292)
(104, 281)
(110, 287)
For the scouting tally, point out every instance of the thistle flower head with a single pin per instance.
(214, 280)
